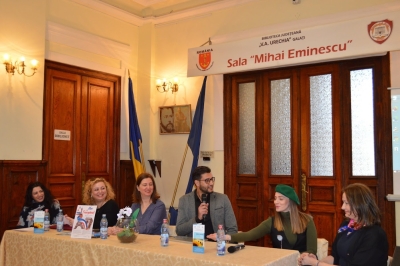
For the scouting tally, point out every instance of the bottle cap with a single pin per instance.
(46, 210)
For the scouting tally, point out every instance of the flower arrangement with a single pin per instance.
(128, 224)
(124, 213)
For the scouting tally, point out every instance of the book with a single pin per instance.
(198, 238)
(83, 221)
(38, 222)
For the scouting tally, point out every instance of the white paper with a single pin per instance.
(83, 221)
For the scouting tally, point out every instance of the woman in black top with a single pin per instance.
(37, 198)
(360, 239)
(99, 191)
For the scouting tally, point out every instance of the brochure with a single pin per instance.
(198, 238)
(83, 221)
(38, 222)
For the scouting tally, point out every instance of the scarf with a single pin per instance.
(351, 227)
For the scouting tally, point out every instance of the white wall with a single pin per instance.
(21, 98)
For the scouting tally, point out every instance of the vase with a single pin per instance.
(129, 231)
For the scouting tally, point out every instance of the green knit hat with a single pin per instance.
(288, 192)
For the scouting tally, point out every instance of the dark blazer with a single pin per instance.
(369, 247)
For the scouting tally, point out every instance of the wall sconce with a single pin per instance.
(19, 66)
(164, 85)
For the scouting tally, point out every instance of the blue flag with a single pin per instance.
(135, 138)
(195, 133)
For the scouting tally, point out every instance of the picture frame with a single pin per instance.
(175, 119)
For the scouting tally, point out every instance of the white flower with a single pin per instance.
(127, 211)
(124, 213)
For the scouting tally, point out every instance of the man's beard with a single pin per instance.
(204, 190)
(168, 128)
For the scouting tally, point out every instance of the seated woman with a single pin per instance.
(289, 228)
(98, 191)
(360, 239)
(152, 209)
(37, 198)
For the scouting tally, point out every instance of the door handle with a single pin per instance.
(303, 192)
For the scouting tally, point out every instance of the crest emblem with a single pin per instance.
(204, 60)
(379, 31)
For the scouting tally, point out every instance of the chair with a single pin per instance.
(322, 248)
(172, 231)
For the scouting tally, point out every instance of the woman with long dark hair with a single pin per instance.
(37, 198)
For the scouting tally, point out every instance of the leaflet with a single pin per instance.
(38, 222)
(198, 238)
(83, 221)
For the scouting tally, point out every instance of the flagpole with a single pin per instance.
(177, 181)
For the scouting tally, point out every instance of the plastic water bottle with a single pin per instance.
(46, 220)
(164, 233)
(103, 227)
(220, 241)
(60, 221)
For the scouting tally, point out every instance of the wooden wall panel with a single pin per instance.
(124, 189)
(15, 177)
(247, 191)
(322, 194)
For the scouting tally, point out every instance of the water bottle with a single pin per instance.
(46, 220)
(60, 221)
(164, 233)
(103, 227)
(220, 241)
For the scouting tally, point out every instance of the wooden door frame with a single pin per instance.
(115, 182)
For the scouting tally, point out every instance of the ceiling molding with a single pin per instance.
(89, 44)
(139, 21)
(148, 2)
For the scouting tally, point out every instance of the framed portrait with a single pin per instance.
(176, 119)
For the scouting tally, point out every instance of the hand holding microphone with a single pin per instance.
(232, 249)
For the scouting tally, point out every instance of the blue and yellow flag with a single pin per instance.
(135, 138)
(195, 133)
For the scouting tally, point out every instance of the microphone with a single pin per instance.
(204, 200)
(232, 249)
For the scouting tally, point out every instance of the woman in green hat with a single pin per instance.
(288, 229)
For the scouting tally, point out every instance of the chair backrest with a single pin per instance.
(396, 257)
(322, 248)
(389, 261)
(172, 231)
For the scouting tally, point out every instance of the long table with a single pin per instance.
(52, 248)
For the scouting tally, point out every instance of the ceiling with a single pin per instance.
(138, 12)
(158, 8)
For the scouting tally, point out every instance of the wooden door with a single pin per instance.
(86, 106)
(302, 135)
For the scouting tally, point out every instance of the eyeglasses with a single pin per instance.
(208, 180)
